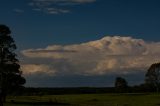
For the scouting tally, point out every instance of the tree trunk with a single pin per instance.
(157, 89)
(4, 99)
(1, 103)
(4, 96)
(1, 99)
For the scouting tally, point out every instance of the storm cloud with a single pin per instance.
(122, 55)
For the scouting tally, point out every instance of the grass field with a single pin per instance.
(86, 100)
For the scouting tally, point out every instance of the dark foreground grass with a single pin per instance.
(135, 99)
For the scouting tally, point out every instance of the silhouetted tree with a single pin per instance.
(152, 77)
(10, 74)
(121, 84)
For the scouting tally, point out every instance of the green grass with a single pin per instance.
(87, 100)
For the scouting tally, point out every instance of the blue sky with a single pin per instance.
(45, 23)
(84, 22)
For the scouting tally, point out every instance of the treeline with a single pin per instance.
(151, 81)
(82, 90)
(151, 84)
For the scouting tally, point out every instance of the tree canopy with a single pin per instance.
(152, 76)
(121, 84)
(10, 73)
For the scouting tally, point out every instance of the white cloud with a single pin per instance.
(29, 69)
(56, 10)
(56, 6)
(66, 1)
(108, 55)
(18, 10)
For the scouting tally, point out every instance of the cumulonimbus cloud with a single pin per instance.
(108, 55)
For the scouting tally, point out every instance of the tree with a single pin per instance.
(10, 74)
(152, 77)
(121, 84)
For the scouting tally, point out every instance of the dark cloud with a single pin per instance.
(40, 80)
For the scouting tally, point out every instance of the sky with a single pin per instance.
(64, 43)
